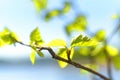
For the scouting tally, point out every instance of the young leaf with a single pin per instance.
(40, 53)
(52, 14)
(112, 50)
(100, 35)
(7, 37)
(83, 41)
(84, 51)
(62, 52)
(1, 42)
(79, 24)
(69, 28)
(32, 57)
(66, 7)
(39, 4)
(56, 43)
(35, 38)
(116, 62)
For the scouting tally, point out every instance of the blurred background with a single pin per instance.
(22, 16)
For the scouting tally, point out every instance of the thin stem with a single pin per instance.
(108, 62)
(108, 58)
(77, 65)
(113, 32)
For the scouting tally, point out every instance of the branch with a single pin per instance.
(108, 61)
(77, 65)
(108, 58)
(117, 28)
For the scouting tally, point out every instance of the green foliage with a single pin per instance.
(66, 52)
(83, 41)
(52, 13)
(62, 52)
(7, 37)
(57, 12)
(56, 43)
(40, 53)
(79, 24)
(116, 62)
(32, 57)
(35, 38)
(37, 51)
(97, 50)
(112, 51)
(100, 35)
(39, 4)
(66, 7)
(95, 53)
(84, 51)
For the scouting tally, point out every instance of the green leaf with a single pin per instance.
(69, 28)
(56, 43)
(116, 62)
(66, 7)
(35, 38)
(84, 51)
(1, 42)
(62, 52)
(79, 24)
(32, 57)
(7, 37)
(39, 4)
(40, 53)
(112, 51)
(51, 14)
(97, 50)
(37, 51)
(76, 40)
(83, 41)
(100, 35)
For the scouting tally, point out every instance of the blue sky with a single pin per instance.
(20, 17)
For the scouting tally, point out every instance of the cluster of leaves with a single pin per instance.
(63, 51)
(97, 54)
(86, 47)
(35, 40)
(79, 24)
(39, 4)
(57, 12)
(8, 37)
(42, 5)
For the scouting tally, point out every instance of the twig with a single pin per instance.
(113, 32)
(108, 62)
(108, 58)
(77, 65)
